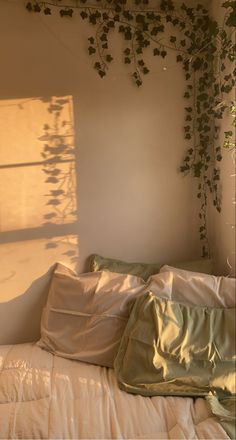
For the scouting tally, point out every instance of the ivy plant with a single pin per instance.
(206, 51)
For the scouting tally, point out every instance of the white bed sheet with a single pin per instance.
(48, 397)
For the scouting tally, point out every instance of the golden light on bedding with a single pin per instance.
(38, 200)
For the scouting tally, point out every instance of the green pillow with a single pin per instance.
(173, 348)
(145, 270)
(169, 348)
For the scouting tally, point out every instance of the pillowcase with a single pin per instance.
(142, 270)
(85, 315)
(200, 289)
(170, 348)
(145, 270)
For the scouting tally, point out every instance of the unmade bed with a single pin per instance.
(124, 358)
(43, 396)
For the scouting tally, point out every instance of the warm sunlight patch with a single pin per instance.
(38, 200)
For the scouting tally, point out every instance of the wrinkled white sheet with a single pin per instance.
(48, 397)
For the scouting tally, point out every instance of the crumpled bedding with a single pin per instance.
(48, 397)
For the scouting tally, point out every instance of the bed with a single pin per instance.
(53, 390)
(48, 397)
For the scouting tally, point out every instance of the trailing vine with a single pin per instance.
(206, 51)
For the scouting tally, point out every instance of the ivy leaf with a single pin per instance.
(163, 53)
(141, 62)
(172, 39)
(145, 70)
(140, 18)
(102, 73)
(127, 60)
(109, 58)
(179, 58)
(47, 11)
(156, 51)
(105, 16)
(29, 7)
(37, 8)
(84, 15)
(138, 82)
(197, 64)
(187, 95)
(91, 50)
(103, 37)
(111, 24)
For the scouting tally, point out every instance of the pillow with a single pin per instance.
(204, 265)
(170, 348)
(145, 270)
(142, 270)
(200, 289)
(85, 315)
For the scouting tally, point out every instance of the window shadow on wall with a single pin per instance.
(38, 195)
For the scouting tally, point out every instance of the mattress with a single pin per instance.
(49, 397)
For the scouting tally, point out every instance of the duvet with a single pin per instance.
(48, 397)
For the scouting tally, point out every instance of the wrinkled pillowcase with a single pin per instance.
(207, 289)
(85, 315)
(145, 270)
(170, 348)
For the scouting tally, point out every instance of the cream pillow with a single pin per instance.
(85, 315)
(198, 288)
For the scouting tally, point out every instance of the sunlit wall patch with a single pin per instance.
(38, 183)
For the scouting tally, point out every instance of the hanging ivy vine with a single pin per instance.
(206, 51)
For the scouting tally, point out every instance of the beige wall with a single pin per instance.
(122, 195)
(223, 225)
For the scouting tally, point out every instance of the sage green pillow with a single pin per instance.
(145, 270)
(170, 348)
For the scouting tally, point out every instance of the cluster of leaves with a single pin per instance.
(229, 140)
(206, 52)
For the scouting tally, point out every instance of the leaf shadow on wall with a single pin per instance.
(38, 199)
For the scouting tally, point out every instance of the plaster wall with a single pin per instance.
(222, 226)
(121, 148)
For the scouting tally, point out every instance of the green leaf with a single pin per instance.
(91, 50)
(156, 51)
(145, 70)
(84, 15)
(29, 6)
(141, 62)
(179, 58)
(163, 53)
(102, 73)
(109, 58)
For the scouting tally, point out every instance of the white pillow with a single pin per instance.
(198, 288)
